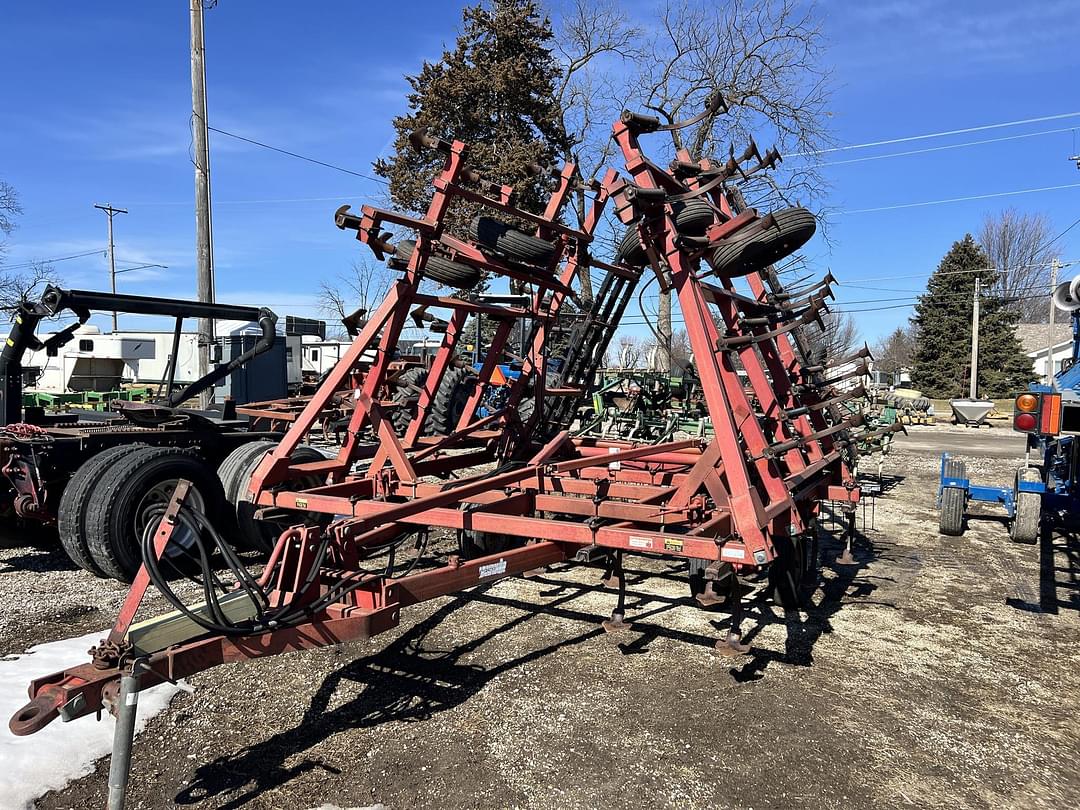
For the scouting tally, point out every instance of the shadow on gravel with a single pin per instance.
(1059, 573)
(410, 680)
(41, 550)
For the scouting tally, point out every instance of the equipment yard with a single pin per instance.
(938, 672)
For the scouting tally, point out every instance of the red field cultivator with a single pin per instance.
(516, 487)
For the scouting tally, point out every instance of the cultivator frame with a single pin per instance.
(524, 493)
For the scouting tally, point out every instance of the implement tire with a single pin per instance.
(450, 400)
(71, 516)
(118, 507)
(789, 572)
(1028, 517)
(740, 255)
(444, 271)
(406, 398)
(951, 519)
(630, 251)
(511, 242)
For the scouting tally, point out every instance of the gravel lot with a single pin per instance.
(939, 672)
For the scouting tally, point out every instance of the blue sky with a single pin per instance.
(97, 102)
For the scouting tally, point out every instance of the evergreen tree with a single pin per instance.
(943, 330)
(496, 91)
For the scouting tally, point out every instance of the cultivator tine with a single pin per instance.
(617, 623)
(825, 404)
(846, 557)
(732, 644)
(860, 370)
(809, 315)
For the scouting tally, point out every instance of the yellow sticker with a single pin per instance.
(301, 503)
(673, 545)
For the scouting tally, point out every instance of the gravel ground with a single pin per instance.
(938, 672)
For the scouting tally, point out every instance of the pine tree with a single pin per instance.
(496, 91)
(943, 330)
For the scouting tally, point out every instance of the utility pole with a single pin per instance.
(974, 340)
(204, 260)
(112, 212)
(1050, 331)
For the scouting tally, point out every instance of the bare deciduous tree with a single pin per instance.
(628, 351)
(895, 351)
(9, 207)
(1018, 245)
(16, 287)
(765, 58)
(837, 340)
(363, 288)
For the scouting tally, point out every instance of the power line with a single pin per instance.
(54, 259)
(949, 146)
(297, 155)
(960, 199)
(942, 134)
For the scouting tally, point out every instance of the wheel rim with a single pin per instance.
(154, 502)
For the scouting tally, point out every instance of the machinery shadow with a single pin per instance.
(837, 585)
(1059, 572)
(412, 680)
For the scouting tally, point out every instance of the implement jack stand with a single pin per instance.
(846, 558)
(732, 644)
(616, 577)
(127, 706)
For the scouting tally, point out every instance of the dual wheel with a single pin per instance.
(1027, 517)
(112, 498)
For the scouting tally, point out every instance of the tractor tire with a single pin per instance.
(117, 509)
(510, 242)
(407, 398)
(1028, 517)
(741, 255)
(693, 217)
(450, 400)
(71, 516)
(789, 572)
(526, 408)
(235, 474)
(630, 251)
(953, 500)
(444, 271)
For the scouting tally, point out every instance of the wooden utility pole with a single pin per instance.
(112, 212)
(204, 259)
(974, 341)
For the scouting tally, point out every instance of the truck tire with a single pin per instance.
(71, 516)
(740, 255)
(407, 398)
(118, 507)
(442, 270)
(1028, 517)
(789, 572)
(450, 400)
(511, 242)
(951, 519)
(235, 474)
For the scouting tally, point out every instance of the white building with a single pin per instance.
(1035, 338)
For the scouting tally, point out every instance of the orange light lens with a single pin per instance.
(1027, 403)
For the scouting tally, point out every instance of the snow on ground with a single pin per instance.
(60, 752)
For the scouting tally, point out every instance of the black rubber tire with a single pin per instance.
(71, 515)
(112, 533)
(527, 407)
(789, 572)
(740, 255)
(444, 271)
(450, 400)
(693, 217)
(407, 398)
(951, 518)
(235, 474)
(630, 251)
(1027, 520)
(511, 242)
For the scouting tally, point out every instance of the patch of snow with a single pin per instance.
(61, 752)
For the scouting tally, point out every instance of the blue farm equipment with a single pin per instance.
(1046, 486)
